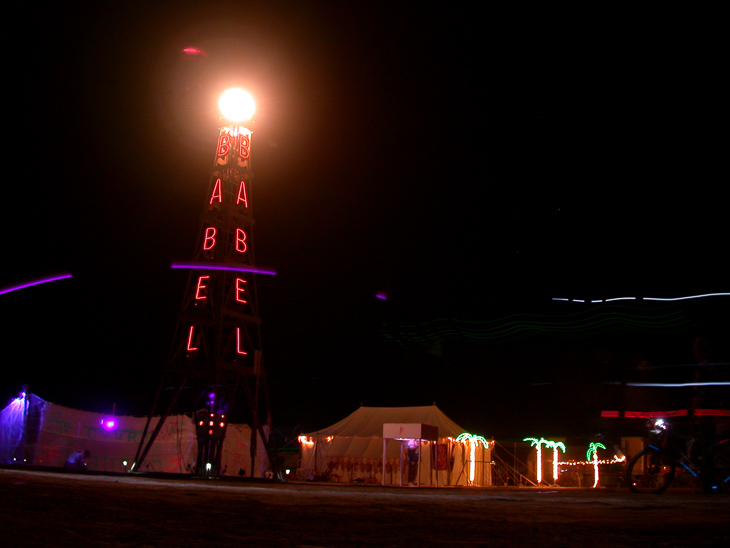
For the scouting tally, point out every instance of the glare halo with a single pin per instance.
(237, 105)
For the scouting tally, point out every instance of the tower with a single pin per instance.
(216, 353)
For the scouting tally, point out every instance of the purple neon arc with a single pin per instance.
(231, 267)
(39, 281)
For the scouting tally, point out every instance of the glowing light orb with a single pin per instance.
(237, 105)
(108, 424)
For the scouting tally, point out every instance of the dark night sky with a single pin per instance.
(471, 163)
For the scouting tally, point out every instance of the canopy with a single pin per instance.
(367, 422)
(352, 449)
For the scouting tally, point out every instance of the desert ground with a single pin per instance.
(54, 508)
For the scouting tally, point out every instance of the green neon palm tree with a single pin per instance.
(592, 455)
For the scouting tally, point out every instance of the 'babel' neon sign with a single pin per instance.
(225, 242)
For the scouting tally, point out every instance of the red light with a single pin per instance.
(238, 342)
(223, 424)
(242, 194)
(200, 287)
(209, 239)
(210, 432)
(241, 246)
(244, 145)
(190, 340)
(217, 193)
(240, 290)
(224, 144)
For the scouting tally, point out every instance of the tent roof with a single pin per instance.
(367, 422)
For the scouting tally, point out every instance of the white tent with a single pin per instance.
(37, 432)
(352, 450)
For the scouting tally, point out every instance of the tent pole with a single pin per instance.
(400, 465)
(382, 478)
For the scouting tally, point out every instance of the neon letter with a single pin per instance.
(200, 287)
(209, 240)
(238, 342)
(243, 146)
(217, 192)
(241, 246)
(190, 340)
(224, 144)
(240, 289)
(242, 194)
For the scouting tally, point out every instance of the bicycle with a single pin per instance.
(653, 469)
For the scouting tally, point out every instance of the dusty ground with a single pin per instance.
(40, 508)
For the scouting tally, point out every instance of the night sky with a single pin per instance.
(472, 164)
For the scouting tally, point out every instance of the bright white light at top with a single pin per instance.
(237, 105)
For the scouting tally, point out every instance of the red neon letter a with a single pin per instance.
(242, 194)
(216, 192)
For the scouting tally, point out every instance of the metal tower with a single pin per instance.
(216, 353)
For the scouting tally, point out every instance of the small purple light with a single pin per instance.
(108, 424)
(382, 296)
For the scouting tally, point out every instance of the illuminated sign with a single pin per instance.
(224, 253)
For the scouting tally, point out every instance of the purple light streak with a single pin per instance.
(230, 267)
(31, 283)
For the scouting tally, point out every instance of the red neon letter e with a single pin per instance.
(240, 288)
(200, 287)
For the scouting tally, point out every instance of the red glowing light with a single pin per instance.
(242, 195)
(194, 51)
(238, 342)
(224, 144)
(244, 146)
(217, 192)
(240, 290)
(190, 340)
(241, 246)
(209, 239)
(200, 287)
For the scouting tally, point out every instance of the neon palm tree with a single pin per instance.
(473, 441)
(555, 446)
(592, 455)
(538, 443)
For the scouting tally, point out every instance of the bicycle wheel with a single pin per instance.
(650, 471)
(722, 465)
